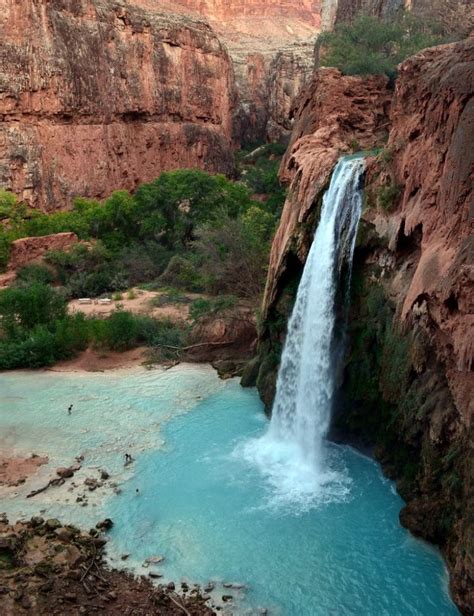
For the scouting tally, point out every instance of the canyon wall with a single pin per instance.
(407, 385)
(272, 47)
(98, 95)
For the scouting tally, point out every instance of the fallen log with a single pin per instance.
(58, 481)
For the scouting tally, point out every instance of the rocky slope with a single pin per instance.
(48, 569)
(97, 95)
(408, 386)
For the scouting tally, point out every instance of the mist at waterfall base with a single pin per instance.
(292, 455)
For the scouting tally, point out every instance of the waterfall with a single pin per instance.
(292, 453)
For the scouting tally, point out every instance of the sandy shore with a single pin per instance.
(15, 470)
(92, 360)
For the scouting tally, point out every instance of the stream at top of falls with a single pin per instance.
(203, 506)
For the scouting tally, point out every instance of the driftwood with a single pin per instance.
(178, 604)
(58, 481)
(195, 346)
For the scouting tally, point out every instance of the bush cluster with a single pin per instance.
(370, 46)
(162, 233)
(36, 331)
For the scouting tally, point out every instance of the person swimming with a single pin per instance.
(69, 410)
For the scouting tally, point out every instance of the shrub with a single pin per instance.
(204, 307)
(388, 196)
(72, 335)
(259, 171)
(156, 332)
(5, 243)
(87, 271)
(24, 308)
(143, 262)
(181, 273)
(121, 332)
(232, 255)
(30, 274)
(34, 351)
(172, 296)
(7, 202)
(373, 46)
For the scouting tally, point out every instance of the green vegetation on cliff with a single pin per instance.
(371, 46)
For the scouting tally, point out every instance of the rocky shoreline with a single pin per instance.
(50, 568)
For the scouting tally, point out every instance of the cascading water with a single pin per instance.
(292, 453)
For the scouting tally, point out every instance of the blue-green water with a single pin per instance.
(207, 510)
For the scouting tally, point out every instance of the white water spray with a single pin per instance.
(292, 453)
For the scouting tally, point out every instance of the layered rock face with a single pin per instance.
(272, 46)
(97, 95)
(408, 386)
(305, 11)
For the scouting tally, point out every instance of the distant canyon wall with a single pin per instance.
(98, 95)
(307, 11)
(271, 43)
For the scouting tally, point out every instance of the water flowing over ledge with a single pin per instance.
(292, 454)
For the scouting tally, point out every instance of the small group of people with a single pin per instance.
(128, 459)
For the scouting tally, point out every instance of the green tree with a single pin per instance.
(230, 257)
(369, 45)
(172, 206)
(24, 308)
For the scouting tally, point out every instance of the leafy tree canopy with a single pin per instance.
(370, 46)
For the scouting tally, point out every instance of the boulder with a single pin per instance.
(65, 473)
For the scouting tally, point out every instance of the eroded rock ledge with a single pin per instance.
(97, 95)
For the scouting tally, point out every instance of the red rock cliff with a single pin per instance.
(455, 15)
(333, 115)
(97, 95)
(427, 271)
(431, 162)
(272, 45)
(408, 384)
